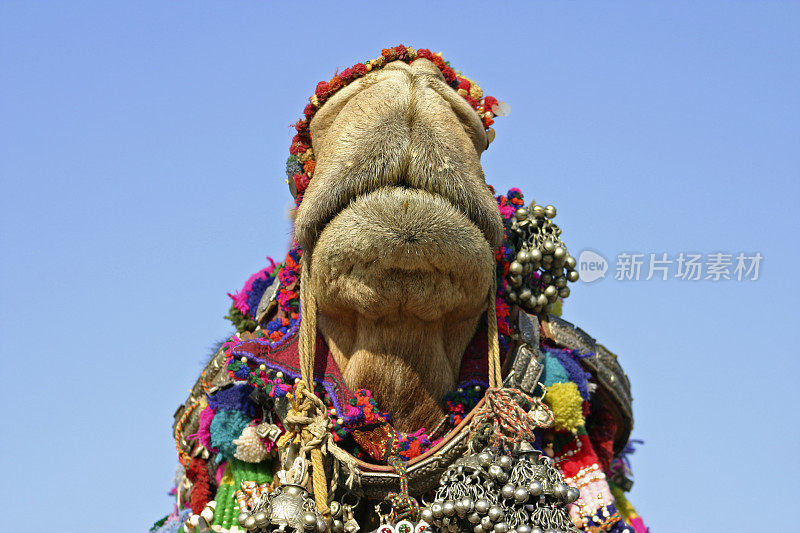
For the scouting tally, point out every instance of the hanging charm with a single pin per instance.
(350, 523)
(385, 520)
(539, 273)
(342, 520)
(521, 492)
(288, 508)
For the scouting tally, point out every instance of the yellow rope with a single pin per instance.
(495, 372)
(320, 483)
(308, 323)
(306, 422)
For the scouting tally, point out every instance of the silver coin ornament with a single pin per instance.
(289, 508)
(542, 267)
(502, 493)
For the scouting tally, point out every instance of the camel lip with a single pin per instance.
(398, 251)
(316, 227)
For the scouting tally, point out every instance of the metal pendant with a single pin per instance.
(265, 430)
(342, 519)
(539, 273)
(288, 508)
(515, 493)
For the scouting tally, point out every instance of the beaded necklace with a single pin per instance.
(363, 429)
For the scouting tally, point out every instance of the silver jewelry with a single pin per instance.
(539, 273)
(515, 493)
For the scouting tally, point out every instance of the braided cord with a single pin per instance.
(308, 323)
(509, 422)
(495, 375)
(404, 506)
(183, 456)
(306, 422)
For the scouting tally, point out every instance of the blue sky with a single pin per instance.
(141, 163)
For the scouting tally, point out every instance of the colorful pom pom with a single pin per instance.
(567, 405)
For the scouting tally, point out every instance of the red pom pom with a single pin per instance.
(322, 90)
(471, 101)
(488, 102)
(301, 181)
(298, 148)
(390, 54)
(301, 125)
(463, 84)
(449, 74)
(401, 51)
(424, 53)
(201, 485)
(346, 74)
(309, 110)
(334, 85)
(359, 69)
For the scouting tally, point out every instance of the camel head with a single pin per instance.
(398, 229)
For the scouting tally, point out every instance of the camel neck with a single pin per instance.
(398, 360)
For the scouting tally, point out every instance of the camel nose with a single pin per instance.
(402, 127)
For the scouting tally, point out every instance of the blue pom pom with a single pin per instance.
(293, 166)
(227, 426)
(236, 397)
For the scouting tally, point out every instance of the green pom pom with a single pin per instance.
(240, 321)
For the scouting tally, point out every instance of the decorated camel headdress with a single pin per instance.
(276, 318)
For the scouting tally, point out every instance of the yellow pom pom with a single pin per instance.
(476, 92)
(306, 156)
(567, 405)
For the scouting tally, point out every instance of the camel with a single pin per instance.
(394, 329)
